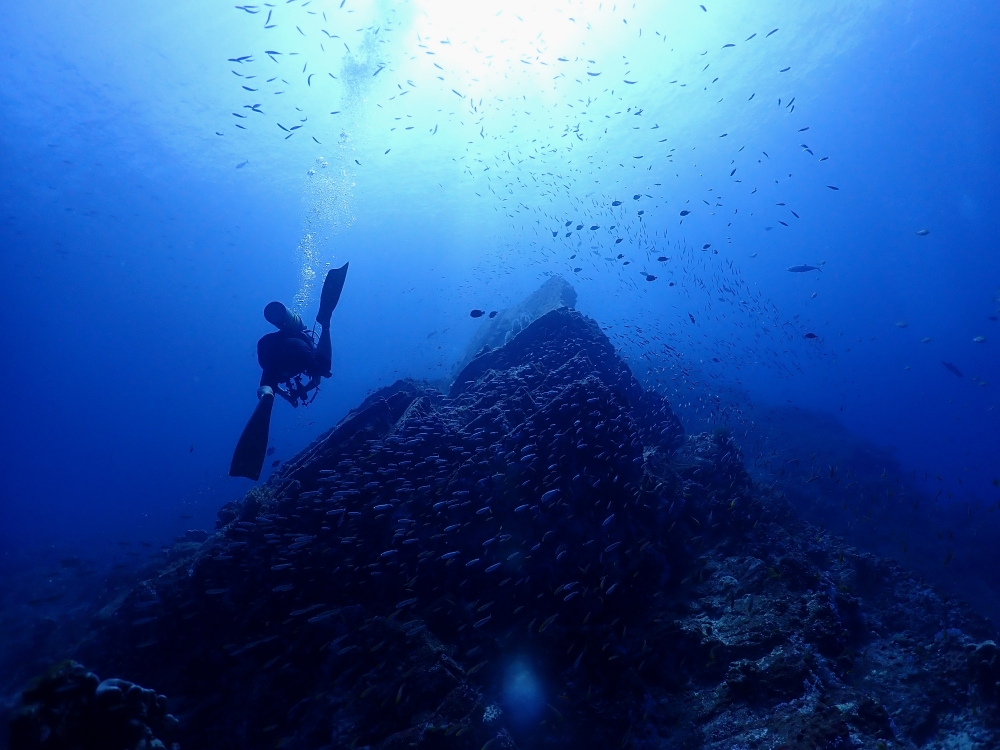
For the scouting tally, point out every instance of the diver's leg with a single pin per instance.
(324, 353)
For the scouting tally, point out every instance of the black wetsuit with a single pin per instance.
(286, 353)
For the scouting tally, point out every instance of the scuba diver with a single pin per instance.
(285, 356)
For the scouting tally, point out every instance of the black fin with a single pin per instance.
(332, 288)
(248, 459)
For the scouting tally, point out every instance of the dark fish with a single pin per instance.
(663, 259)
(616, 203)
(706, 246)
(952, 369)
(270, 450)
(785, 70)
(650, 277)
(923, 232)
(692, 317)
(242, 164)
(811, 336)
(275, 464)
(477, 313)
(803, 269)
(493, 314)
(685, 213)
(832, 187)
(770, 32)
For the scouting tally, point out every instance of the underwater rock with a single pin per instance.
(540, 557)
(556, 292)
(70, 708)
(984, 666)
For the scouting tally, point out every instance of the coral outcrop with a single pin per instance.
(70, 708)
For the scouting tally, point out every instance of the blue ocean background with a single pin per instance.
(142, 231)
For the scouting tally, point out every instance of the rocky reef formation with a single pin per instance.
(70, 708)
(555, 293)
(542, 558)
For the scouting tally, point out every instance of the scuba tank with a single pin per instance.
(282, 318)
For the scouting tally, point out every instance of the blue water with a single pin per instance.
(142, 231)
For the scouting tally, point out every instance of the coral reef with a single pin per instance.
(542, 557)
(72, 709)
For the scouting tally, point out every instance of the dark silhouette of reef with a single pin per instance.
(541, 558)
(70, 707)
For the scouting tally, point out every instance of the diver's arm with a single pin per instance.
(286, 395)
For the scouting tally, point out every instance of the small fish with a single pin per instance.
(811, 335)
(493, 314)
(477, 313)
(685, 213)
(925, 341)
(785, 70)
(803, 269)
(616, 203)
(901, 324)
(833, 187)
(952, 369)
(980, 339)
(923, 232)
(770, 32)
(240, 166)
(650, 277)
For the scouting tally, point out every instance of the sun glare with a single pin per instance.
(488, 39)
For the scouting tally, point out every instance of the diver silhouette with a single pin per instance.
(285, 356)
